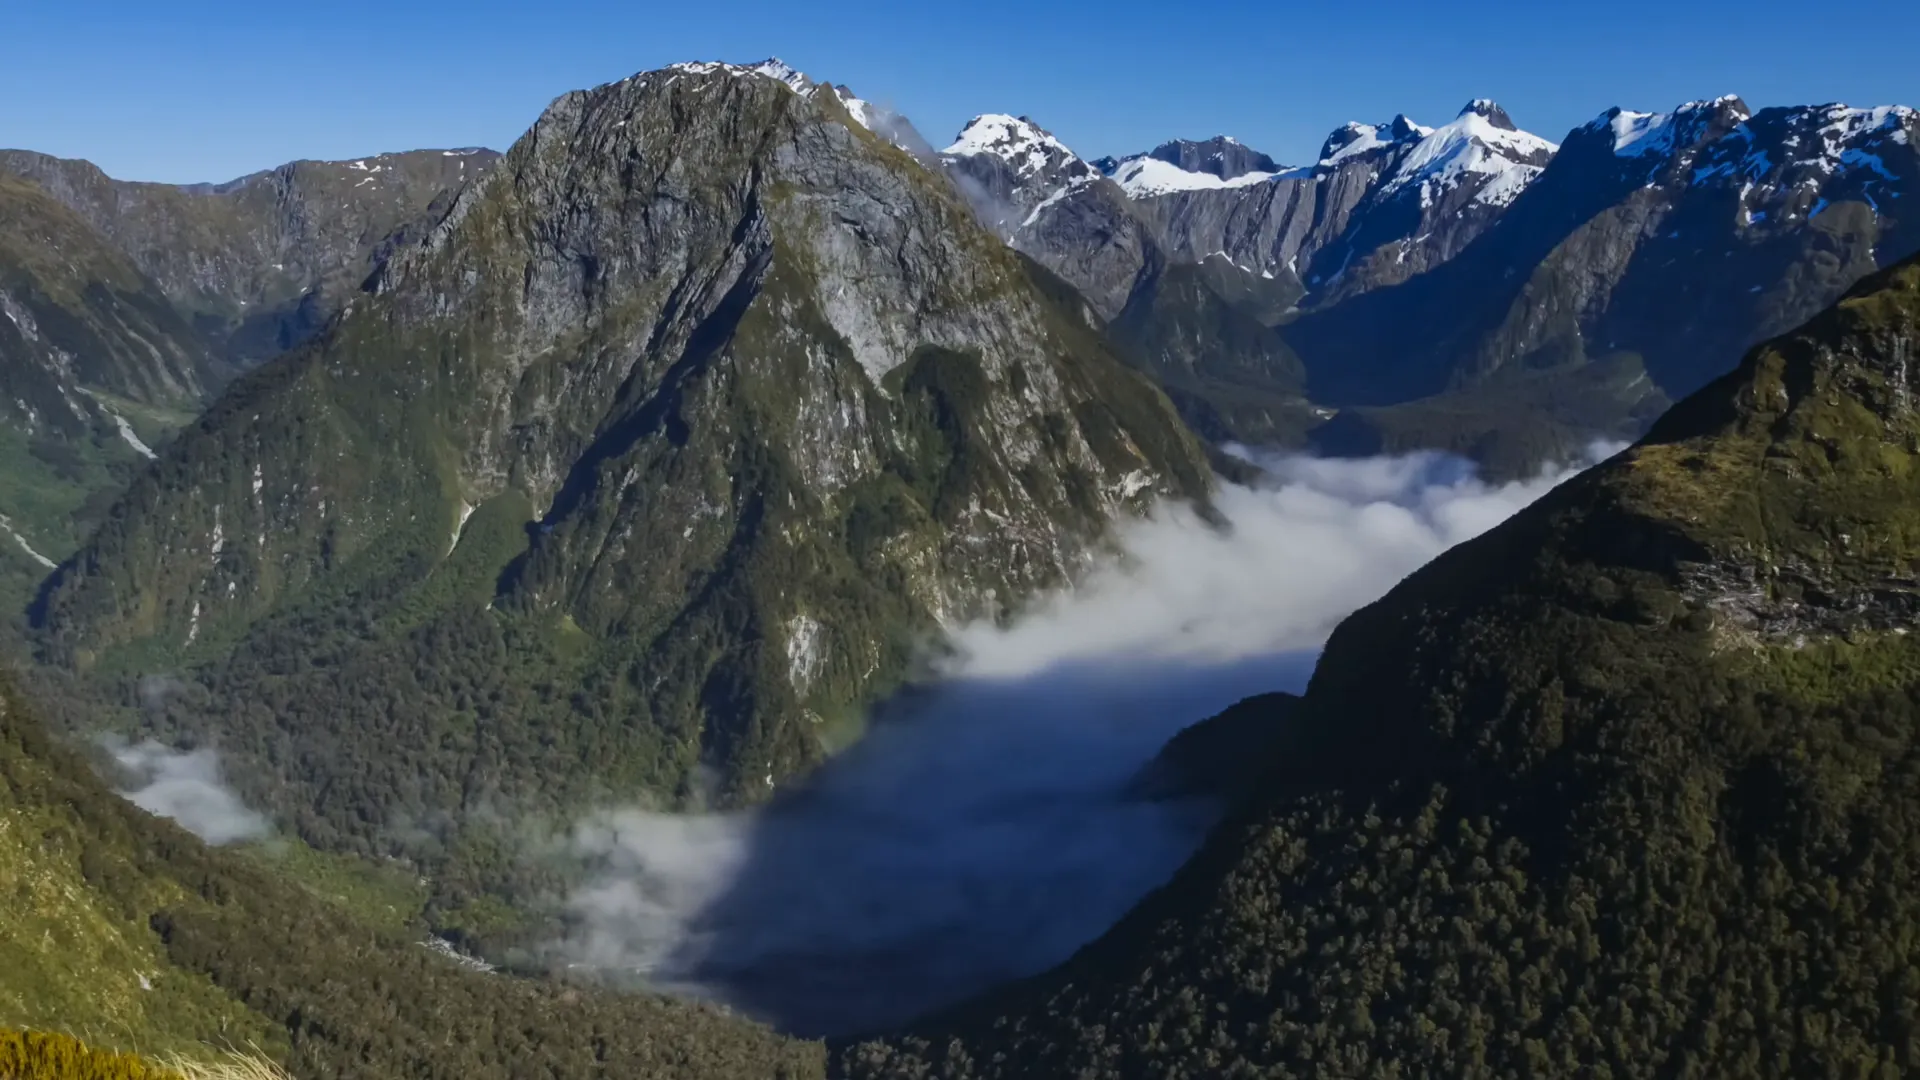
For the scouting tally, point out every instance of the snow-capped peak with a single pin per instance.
(1490, 111)
(1638, 134)
(1015, 139)
(1476, 143)
(1782, 151)
(772, 68)
(1355, 138)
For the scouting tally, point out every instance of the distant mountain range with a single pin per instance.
(1469, 287)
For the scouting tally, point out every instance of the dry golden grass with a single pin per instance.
(51, 1055)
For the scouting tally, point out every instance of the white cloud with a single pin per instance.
(1321, 539)
(187, 787)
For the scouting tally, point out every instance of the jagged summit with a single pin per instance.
(1481, 141)
(1357, 138)
(1638, 134)
(1221, 156)
(1190, 165)
(1491, 112)
(883, 122)
(1029, 148)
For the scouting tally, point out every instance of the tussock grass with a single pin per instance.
(52, 1055)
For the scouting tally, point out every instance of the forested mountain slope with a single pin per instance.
(126, 931)
(1629, 786)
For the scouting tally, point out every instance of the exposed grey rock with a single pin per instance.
(1046, 202)
(1383, 204)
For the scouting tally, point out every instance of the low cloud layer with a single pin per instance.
(1321, 539)
(982, 831)
(187, 787)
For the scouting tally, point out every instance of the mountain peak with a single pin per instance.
(1357, 138)
(1221, 156)
(1491, 112)
(1638, 134)
(1017, 140)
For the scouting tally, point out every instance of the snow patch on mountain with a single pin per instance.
(1058, 196)
(1143, 176)
(1638, 134)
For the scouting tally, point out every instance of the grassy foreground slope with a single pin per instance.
(1627, 787)
(124, 930)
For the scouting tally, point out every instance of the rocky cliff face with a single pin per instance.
(1625, 786)
(1046, 202)
(260, 263)
(1383, 203)
(705, 402)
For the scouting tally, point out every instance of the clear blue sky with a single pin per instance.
(211, 89)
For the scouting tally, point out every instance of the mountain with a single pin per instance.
(259, 264)
(1673, 241)
(635, 476)
(127, 931)
(1627, 786)
(1383, 203)
(1222, 157)
(1202, 328)
(1044, 201)
(95, 366)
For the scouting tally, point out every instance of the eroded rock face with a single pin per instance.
(775, 404)
(1382, 204)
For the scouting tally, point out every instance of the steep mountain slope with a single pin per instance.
(1678, 238)
(1629, 786)
(1382, 204)
(646, 467)
(94, 366)
(260, 263)
(128, 932)
(1199, 330)
(1043, 200)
